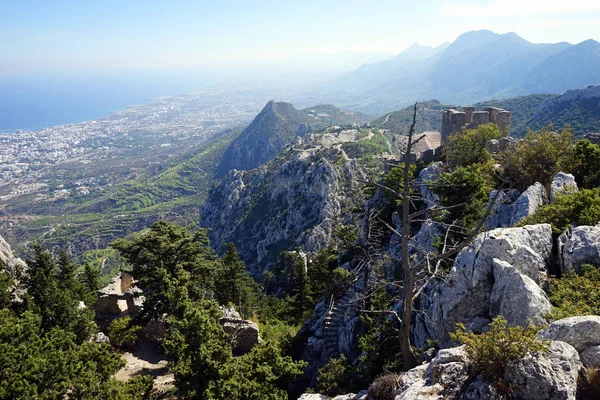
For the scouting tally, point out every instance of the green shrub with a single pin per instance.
(122, 333)
(334, 376)
(585, 164)
(469, 186)
(468, 147)
(577, 208)
(494, 351)
(537, 158)
(575, 294)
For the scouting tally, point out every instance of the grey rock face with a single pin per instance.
(480, 285)
(552, 375)
(579, 332)
(294, 200)
(581, 247)
(14, 265)
(562, 182)
(443, 377)
(482, 390)
(517, 296)
(429, 174)
(590, 357)
(509, 210)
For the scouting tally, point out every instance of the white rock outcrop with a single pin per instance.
(509, 208)
(502, 272)
(580, 332)
(564, 183)
(550, 376)
(582, 246)
(545, 375)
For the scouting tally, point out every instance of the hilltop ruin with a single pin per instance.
(454, 120)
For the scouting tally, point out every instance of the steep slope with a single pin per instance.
(298, 198)
(578, 108)
(294, 200)
(575, 67)
(276, 126)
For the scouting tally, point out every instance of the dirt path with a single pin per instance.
(147, 361)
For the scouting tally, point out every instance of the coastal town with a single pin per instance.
(170, 123)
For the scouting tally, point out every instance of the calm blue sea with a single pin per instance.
(35, 101)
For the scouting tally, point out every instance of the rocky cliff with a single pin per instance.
(295, 200)
(278, 125)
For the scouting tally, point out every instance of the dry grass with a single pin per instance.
(589, 383)
(384, 387)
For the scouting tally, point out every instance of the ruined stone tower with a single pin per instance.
(454, 120)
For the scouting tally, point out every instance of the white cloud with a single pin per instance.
(514, 8)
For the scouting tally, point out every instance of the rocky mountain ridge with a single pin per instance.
(278, 125)
(477, 66)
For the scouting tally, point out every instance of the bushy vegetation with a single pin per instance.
(45, 352)
(466, 190)
(496, 350)
(182, 277)
(469, 146)
(576, 294)
(585, 164)
(335, 376)
(576, 208)
(537, 158)
(123, 333)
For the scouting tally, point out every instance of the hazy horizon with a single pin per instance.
(67, 61)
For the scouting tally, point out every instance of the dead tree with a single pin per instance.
(411, 270)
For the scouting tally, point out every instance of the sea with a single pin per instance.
(31, 101)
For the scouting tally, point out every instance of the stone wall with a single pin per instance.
(454, 120)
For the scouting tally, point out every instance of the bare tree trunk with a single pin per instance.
(408, 354)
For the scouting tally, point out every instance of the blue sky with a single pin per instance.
(129, 34)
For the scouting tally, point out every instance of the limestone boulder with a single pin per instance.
(580, 332)
(312, 396)
(517, 296)
(582, 246)
(562, 183)
(101, 338)
(443, 377)
(506, 213)
(482, 390)
(500, 273)
(551, 375)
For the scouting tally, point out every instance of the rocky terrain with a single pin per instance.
(278, 125)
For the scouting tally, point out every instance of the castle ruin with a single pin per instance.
(454, 120)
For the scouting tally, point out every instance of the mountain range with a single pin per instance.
(477, 66)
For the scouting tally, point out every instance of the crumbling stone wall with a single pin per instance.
(454, 120)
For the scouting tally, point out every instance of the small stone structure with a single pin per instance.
(244, 333)
(120, 297)
(454, 120)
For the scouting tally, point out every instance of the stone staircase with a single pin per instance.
(337, 313)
